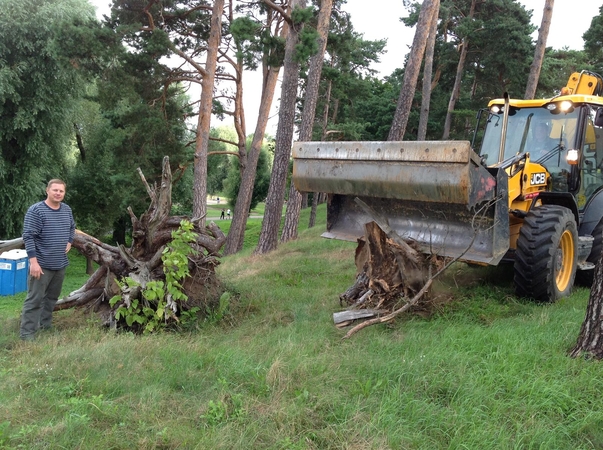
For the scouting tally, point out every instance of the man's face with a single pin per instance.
(56, 192)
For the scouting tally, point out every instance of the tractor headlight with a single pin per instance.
(572, 157)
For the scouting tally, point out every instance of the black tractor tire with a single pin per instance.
(585, 277)
(546, 255)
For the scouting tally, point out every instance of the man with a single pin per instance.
(542, 142)
(48, 232)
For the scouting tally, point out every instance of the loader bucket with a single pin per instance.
(429, 192)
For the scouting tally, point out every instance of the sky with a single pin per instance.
(571, 18)
(568, 24)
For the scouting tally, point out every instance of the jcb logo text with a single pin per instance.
(538, 178)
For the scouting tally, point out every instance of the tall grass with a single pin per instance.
(484, 370)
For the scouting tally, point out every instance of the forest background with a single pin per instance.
(90, 101)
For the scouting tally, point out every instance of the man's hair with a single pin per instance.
(56, 181)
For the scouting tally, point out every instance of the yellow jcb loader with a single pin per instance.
(526, 196)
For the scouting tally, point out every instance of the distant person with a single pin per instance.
(222, 214)
(48, 233)
(228, 213)
(218, 200)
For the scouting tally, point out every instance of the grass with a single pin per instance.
(485, 370)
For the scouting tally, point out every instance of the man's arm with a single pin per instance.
(31, 229)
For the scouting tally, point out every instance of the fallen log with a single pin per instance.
(12, 244)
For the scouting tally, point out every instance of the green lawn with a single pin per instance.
(483, 370)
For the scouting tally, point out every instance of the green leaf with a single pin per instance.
(114, 300)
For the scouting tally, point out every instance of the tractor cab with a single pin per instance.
(564, 135)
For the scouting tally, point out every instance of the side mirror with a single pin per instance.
(599, 118)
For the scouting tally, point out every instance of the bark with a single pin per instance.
(536, 65)
(80, 142)
(427, 73)
(284, 135)
(311, 99)
(236, 234)
(590, 339)
(11, 244)
(325, 114)
(457, 81)
(205, 109)
(411, 71)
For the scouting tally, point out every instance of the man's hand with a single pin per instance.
(34, 268)
(68, 247)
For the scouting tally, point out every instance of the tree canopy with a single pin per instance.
(90, 102)
(38, 88)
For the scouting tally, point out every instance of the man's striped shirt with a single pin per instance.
(46, 232)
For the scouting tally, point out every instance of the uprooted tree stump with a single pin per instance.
(392, 276)
(142, 260)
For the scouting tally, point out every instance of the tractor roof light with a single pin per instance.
(564, 106)
(572, 157)
(495, 109)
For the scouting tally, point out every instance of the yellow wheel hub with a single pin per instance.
(564, 259)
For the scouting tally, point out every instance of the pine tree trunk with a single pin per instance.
(205, 108)
(284, 135)
(325, 113)
(411, 71)
(312, 220)
(236, 233)
(427, 72)
(543, 35)
(457, 81)
(590, 339)
(308, 114)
